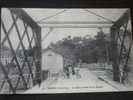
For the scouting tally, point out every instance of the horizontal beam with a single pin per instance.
(75, 22)
(75, 26)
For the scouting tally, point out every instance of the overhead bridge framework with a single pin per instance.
(76, 24)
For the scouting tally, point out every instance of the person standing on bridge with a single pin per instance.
(77, 69)
(66, 70)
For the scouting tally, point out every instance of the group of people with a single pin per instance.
(72, 70)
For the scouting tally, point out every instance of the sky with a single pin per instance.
(67, 15)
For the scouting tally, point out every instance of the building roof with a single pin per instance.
(47, 49)
(61, 52)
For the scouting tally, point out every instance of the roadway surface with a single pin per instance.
(89, 82)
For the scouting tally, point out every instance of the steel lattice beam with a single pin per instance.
(118, 52)
(36, 37)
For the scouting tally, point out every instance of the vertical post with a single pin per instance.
(114, 56)
(107, 53)
(0, 38)
(38, 55)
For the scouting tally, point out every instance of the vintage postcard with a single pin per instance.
(66, 50)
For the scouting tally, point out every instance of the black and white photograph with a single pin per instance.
(65, 50)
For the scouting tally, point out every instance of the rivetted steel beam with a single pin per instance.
(75, 22)
(76, 26)
(122, 20)
(25, 17)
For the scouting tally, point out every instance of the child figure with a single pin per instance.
(77, 72)
(77, 69)
(121, 74)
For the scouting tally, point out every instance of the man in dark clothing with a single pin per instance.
(66, 69)
(73, 71)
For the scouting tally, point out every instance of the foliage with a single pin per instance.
(87, 49)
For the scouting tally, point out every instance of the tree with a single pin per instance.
(86, 48)
(101, 44)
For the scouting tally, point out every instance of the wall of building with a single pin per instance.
(52, 61)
